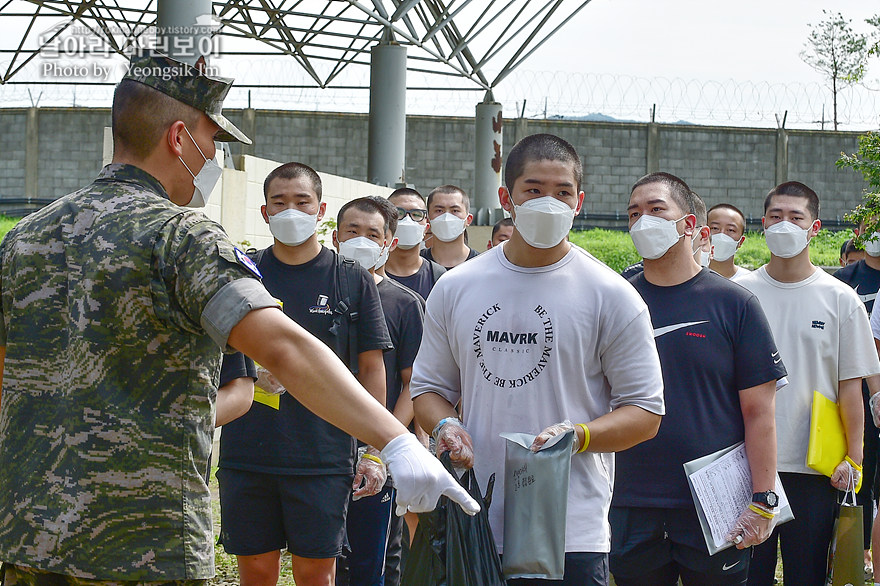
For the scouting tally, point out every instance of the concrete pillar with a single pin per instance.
(184, 28)
(652, 151)
(386, 145)
(249, 127)
(31, 154)
(487, 161)
(781, 156)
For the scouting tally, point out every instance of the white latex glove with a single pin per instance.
(420, 478)
(370, 476)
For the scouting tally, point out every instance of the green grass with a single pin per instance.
(616, 249)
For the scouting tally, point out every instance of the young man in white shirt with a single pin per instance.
(822, 331)
(728, 226)
(582, 351)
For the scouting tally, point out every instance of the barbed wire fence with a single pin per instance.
(272, 83)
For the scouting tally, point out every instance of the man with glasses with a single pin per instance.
(405, 265)
(449, 216)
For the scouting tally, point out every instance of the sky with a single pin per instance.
(702, 39)
(698, 60)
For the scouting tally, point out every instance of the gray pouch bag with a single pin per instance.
(535, 506)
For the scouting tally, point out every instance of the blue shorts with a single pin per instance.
(653, 546)
(260, 513)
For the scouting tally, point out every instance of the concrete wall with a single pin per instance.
(734, 165)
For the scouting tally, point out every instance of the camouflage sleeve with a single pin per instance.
(196, 264)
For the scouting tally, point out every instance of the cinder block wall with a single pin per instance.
(723, 164)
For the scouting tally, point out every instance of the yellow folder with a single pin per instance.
(827, 446)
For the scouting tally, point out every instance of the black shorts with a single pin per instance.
(260, 513)
(665, 541)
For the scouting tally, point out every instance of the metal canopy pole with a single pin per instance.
(184, 28)
(386, 154)
(487, 160)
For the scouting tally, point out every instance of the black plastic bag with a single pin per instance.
(451, 548)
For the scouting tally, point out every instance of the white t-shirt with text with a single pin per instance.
(524, 348)
(821, 329)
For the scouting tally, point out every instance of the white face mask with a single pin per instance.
(543, 222)
(206, 179)
(383, 258)
(872, 247)
(292, 227)
(653, 236)
(785, 239)
(361, 249)
(723, 247)
(409, 233)
(447, 227)
(704, 258)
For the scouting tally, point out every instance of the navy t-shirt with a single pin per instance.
(422, 281)
(291, 439)
(404, 311)
(714, 341)
(428, 255)
(236, 366)
(632, 270)
(863, 279)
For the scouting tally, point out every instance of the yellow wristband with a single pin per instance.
(756, 509)
(851, 463)
(586, 437)
(373, 458)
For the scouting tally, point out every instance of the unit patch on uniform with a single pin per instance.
(246, 261)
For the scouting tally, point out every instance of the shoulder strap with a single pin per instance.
(346, 311)
(435, 271)
(256, 255)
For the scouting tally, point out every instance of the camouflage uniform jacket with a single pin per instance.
(115, 305)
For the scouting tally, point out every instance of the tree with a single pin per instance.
(867, 162)
(836, 51)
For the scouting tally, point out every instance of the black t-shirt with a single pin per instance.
(714, 341)
(427, 254)
(236, 366)
(422, 281)
(404, 311)
(863, 279)
(291, 439)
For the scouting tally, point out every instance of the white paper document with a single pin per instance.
(721, 484)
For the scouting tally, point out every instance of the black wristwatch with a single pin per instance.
(769, 499)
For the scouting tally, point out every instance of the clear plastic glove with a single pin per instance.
(751, 529)
(452, 437)
(420, 479)
(370, 476)
(874, 403)
(846, 476)
(267, 381)
(553, 431)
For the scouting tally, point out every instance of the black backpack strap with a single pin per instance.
(346, 311)
(435, 271)
(256, 255)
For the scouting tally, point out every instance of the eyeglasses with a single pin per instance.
(416, 215)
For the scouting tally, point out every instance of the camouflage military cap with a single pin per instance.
(189, 85)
